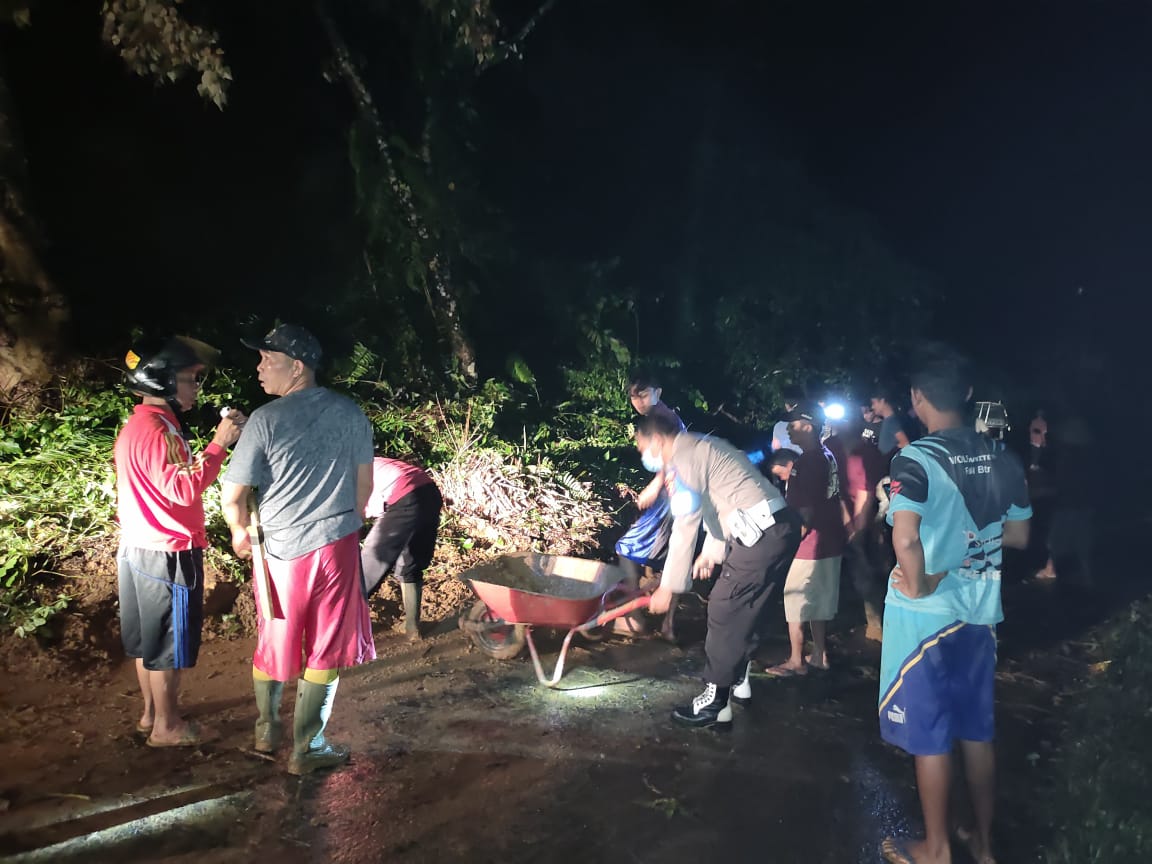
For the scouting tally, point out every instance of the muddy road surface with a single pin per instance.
(458, 757)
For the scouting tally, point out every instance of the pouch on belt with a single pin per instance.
(747, 525)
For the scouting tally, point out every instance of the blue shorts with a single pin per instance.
(936, 681)
(646, 542)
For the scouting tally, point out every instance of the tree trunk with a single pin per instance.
(441, 297)
(33, 314)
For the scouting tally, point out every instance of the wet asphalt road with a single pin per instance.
(462, 758)
(458, 757)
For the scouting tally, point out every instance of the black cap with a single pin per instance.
(808, 411)
(293, 340)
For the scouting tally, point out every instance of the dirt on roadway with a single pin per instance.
(458, 757)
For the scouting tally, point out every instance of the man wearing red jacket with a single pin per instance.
(159, 482)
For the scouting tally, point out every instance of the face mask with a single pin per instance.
(652, 461)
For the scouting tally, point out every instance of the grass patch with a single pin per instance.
(57, 492)
(1099, 802)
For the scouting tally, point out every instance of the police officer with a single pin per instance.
(751, 533)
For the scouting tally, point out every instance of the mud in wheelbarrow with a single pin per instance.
(518, 592)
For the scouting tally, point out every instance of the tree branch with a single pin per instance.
(512, 46)
(444, 306)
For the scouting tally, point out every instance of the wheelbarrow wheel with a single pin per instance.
(499, 641)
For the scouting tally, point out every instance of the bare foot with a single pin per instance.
(630, 625)
(145, 723)
(979, 854)
(902, 851)
(820, 664)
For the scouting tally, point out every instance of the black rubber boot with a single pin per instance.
(709, 709)
(411, 592)
(269, 730)
(311, 751)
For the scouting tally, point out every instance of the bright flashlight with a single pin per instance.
(834, 411)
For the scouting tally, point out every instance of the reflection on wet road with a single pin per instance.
(461, 758)
(481, 763)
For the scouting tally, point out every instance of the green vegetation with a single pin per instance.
(1099, 802)
(57, 493)
(57, 478)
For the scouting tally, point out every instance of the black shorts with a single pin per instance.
(161, 606)
(403, 538)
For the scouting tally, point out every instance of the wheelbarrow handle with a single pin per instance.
(610, 615)
(604, 617)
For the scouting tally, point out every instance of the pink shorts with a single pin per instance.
(320, 618)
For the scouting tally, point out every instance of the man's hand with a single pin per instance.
(228, 432)
(241, 542)
(661, 601)
(703, 567)
(915, 589)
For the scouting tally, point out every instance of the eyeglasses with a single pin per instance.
(197, 379)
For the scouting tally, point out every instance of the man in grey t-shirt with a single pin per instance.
(309, 459)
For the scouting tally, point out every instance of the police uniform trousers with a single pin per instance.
(739, 601)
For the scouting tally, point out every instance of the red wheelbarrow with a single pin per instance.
(519, 592)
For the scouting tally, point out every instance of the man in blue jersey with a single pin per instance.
(957, 499)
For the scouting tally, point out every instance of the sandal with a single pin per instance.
(782, 671)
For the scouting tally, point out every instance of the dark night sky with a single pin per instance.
(1001, 147)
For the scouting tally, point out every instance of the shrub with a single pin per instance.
(57, 491)
(1099, 802)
